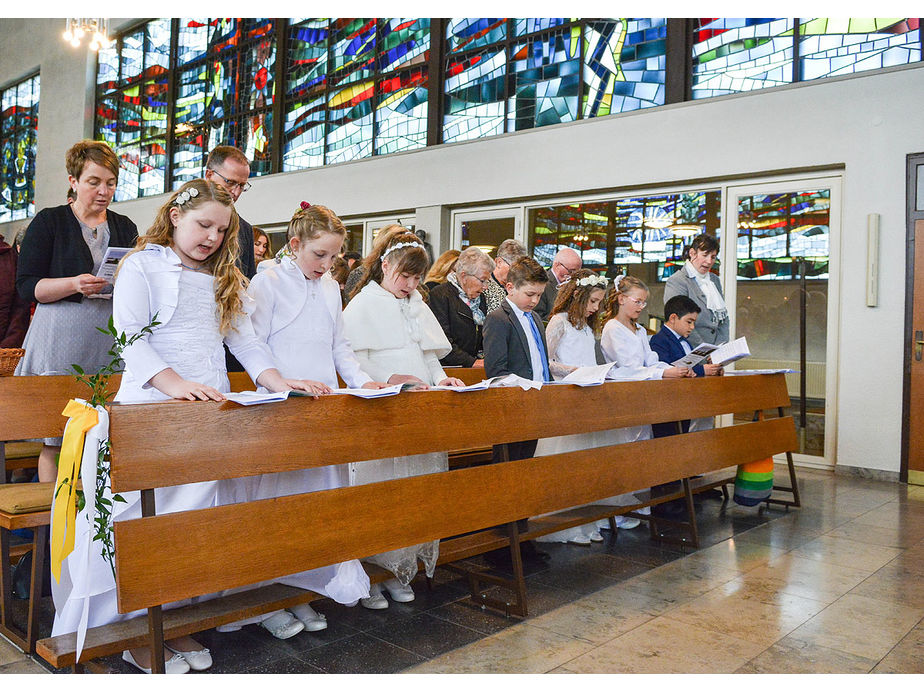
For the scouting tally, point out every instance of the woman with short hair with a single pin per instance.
(62, 250)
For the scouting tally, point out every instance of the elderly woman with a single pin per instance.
(696, 281)
(507, 253)
(61, 253)
(460, 307)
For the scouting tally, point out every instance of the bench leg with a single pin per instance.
(689, 525)
(24, 639)
(156, 639)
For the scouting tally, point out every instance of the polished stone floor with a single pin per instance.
(834, 587)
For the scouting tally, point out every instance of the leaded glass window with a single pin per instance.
(515, 74)
(18, 127)
(830, 47)
(355, 87)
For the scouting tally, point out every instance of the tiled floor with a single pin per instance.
(836, 587)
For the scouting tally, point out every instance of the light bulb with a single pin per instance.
(79, 32)
(75, 42)
(67, 35)
(94, 46)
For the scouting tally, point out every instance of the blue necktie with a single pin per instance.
(545, 361)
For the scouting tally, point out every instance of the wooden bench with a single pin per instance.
(217, 549)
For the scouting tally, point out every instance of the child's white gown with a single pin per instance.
(569, 348)
(389, 336)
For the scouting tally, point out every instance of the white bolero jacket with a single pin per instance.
(147, 284)
(395, 336)
(279, 294)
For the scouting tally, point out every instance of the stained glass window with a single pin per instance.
(18, 128)
(354, 88)
(776, 232)
(644, 236)
(563, 69)
(830, 47)
(734, 55)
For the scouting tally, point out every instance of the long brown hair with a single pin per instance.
(409, 259)
(229, 281)
(611, 302)
(572, 299)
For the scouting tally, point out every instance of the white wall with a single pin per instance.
(863, 125)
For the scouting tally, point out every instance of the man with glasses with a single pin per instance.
(507, 253)
(228, 167)
(565, 263)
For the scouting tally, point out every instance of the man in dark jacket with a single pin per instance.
(229, 168)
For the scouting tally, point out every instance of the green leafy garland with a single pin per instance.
(100, 397)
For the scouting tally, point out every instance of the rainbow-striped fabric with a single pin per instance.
(754, 482)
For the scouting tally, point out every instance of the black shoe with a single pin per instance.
(712, 494)
(670, 510)
(531, 554)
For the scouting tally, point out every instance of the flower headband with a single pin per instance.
(186, 196)
(410, 244)
(593, 280)
(304, 205)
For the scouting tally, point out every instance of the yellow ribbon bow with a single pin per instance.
(82, 418)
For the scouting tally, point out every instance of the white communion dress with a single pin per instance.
(397, 336)
(571, 348)
(188, 341)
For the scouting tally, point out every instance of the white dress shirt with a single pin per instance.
(535, 356)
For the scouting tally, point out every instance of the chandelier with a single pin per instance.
(97, 28)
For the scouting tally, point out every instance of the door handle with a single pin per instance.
(918, 344)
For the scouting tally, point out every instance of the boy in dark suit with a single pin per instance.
(670, 344)
(514, 342)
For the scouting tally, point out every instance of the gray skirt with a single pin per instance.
(64, 333)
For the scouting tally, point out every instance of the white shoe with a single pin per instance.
(283, 625)
(580, 540)
(311, 619)
(175, 665)
(375, 600)
(198, 660)
(228, 628)
(627, 522)
(595, 536)
(399, 592)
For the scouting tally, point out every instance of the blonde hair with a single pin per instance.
(412, 259)
(442, 266)
(229, 280)
(611, 302)
(310, 221)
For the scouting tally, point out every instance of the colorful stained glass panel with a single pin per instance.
(352, 50)
(193, 39)
(532, 25)
(404, 42)
(132, 56)
(190, 146)
(401, 114)
(152, 166)
(829, 47)
(735, 55)
(546, 77)
(470, 33)
(157, 48)
(349, 135)
(154, 108)
(475, 92)
(191, 90)
(306, 69)
(258, 82)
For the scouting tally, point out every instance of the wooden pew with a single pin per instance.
(217, 552)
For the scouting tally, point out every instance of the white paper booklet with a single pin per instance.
(513, 380)
(249, 397)
(731, 351)
(695, 357)
(761, 371)
(110, 263)
(367, 394)
(589, 375)
(483, 385)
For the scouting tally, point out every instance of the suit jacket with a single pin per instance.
(668, 348)
(547, 302)
(506, 349)
(246, 261)
(455, 317)
(707, 329)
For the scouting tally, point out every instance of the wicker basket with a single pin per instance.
(8, 360)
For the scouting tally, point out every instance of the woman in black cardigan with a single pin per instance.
(460, 307)
(61, 253)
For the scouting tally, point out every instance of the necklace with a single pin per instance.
(194, 269)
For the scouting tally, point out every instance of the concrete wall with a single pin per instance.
(862, 126)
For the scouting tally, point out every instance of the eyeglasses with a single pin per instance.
(568, 270)
(483, 282)
(232, 184)
(637, 301)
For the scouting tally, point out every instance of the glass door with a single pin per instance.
(781, 291)
(486, 228)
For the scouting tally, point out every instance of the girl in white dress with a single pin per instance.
(397, 339)
(296, 311)
(183, 272)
